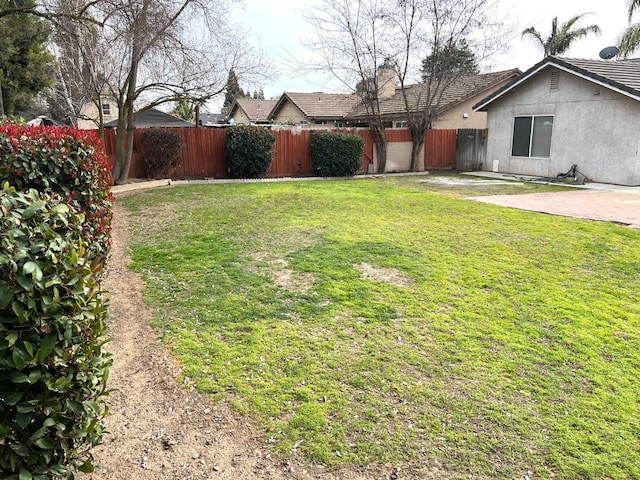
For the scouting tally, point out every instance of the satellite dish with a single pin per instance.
(609, 52)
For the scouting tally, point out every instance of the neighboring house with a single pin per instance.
(455, 103)
(246, 111)
(89, 117)
(313, 110)
(152, 118)
(565, 111)
(212, 119)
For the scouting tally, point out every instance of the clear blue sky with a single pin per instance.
(277, 27)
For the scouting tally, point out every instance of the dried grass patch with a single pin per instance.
(392, 276)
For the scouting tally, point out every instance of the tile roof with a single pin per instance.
(460, 89)
(256, 110)
(320, 105)
(622, 76)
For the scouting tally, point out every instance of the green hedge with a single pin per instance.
(53, 369)
(55, 235)
(249, 151)
(336, 154)
(68, 162)
(161, 151)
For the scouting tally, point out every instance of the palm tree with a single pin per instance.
(561, 38)
(630, 40)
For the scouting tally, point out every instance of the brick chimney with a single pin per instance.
(386, 80)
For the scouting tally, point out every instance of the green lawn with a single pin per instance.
(377, 321)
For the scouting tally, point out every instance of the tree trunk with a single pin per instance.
(120, 150)
(417, 142)
(1, 102)
(381, 146)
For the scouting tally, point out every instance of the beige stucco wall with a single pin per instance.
(89, 118)
(593, 127)
(288, 113)
(240, 117)
(399, 157)
(454, 118)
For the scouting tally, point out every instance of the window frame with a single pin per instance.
(531, 134)
(106, 108)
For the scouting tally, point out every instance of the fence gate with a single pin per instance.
(471, 151)
(440, 150)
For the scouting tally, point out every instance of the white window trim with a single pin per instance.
(531, 134)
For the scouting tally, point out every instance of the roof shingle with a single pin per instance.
(620, 75)
(458, 90)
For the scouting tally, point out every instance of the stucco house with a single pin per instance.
(153, 118)
(246, 111)
(89, 117)
(566, 111)
(313, 110)
(455, 100)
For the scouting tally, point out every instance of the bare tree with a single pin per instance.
(350, 37)
(152, 52)
(359, 40)
(436, 26)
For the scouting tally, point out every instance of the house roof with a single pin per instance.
(207, 119)
(459, 90)
(152, 118)
(318, 104)
(255, 110)
(622, 76)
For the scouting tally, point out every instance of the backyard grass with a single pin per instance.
(376, 321)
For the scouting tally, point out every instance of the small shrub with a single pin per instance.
(161, 151)
(249, 151)
(68, 162)
(336, 154)
(53, 368)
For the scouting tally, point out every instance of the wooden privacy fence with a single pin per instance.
(471, 150)
(203, 152)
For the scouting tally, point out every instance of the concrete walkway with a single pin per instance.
(593, 201)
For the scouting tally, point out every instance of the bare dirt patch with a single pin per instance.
(392, 276)
(162, 429)
(285, 278)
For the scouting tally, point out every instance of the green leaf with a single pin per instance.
(44, 443)
(33, 269)
(29, 348)
(58, 469)
(25, 475)
(10, 397)
(31, 211)
(86, 467)
(6, 294)
(74, 406)
(18, 377)
(20, 449)
(20, 357)
(48, 342)
(24, 282)
(24, 419)
(25, 407)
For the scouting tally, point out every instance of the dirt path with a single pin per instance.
(160, 429)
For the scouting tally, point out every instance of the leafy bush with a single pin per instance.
(53, 369)
(336, 154)
(68, 162)
(161, 150)
(249, 151)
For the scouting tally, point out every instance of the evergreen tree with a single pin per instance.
(26, 67)
(451, 60)
(233, 90)
(186, 110)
